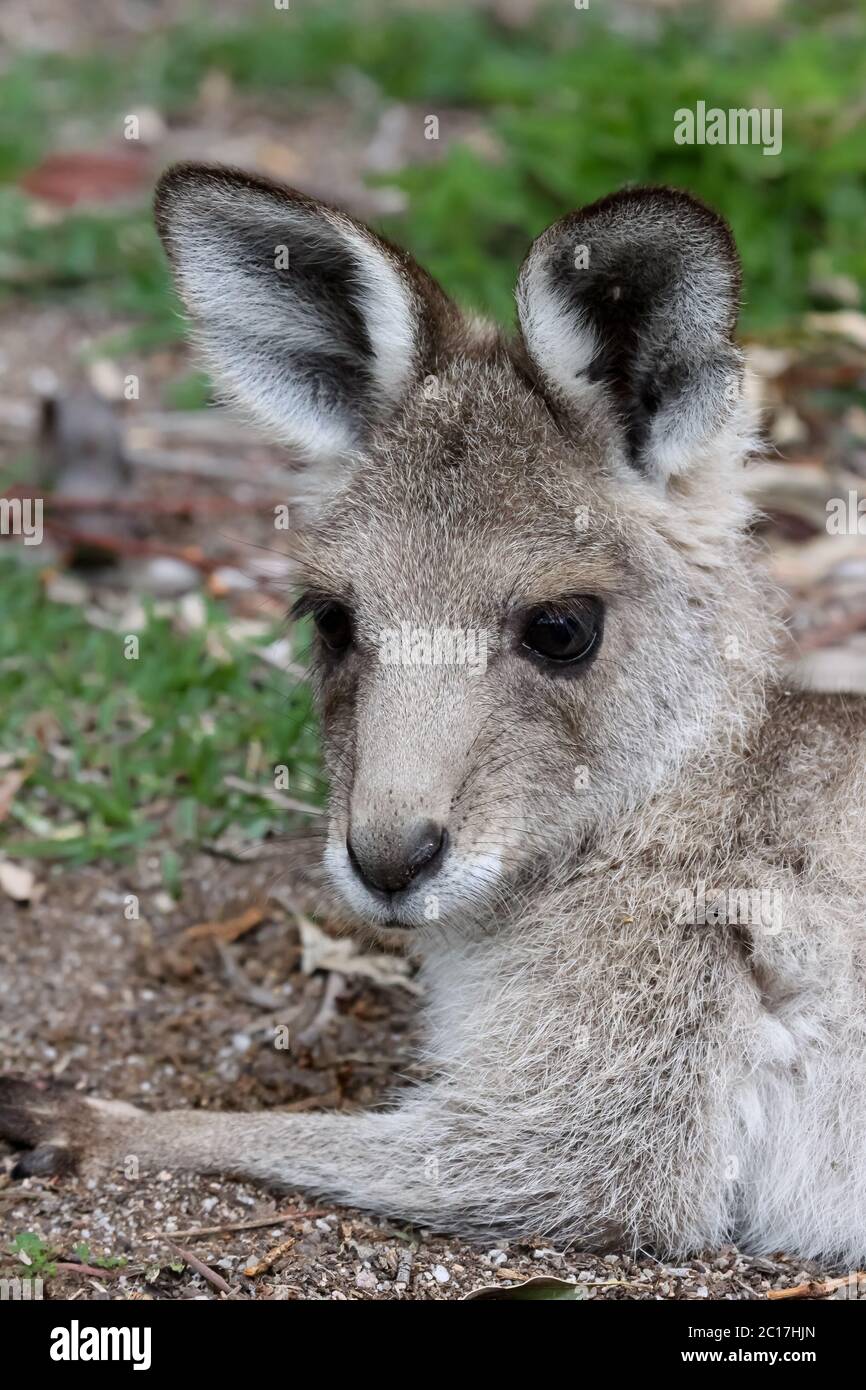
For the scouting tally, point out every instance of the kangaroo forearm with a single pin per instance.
(407, 1162)
(296, 1150)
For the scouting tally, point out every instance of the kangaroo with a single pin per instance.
(567, 769)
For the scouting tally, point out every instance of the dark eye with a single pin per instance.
(565, 635)
(334, 626)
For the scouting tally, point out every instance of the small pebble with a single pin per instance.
(167, 577)
(230, 581)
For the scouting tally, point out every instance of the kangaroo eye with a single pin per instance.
(564, 635)
(334, 626)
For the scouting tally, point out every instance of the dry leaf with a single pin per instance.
(542, 1286)
(323, 952)
(17, 882)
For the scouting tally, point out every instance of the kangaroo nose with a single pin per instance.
(391, 865)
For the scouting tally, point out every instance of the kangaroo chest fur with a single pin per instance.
(669, 1080)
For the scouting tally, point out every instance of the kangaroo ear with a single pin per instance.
(306, 318)
(632, 302)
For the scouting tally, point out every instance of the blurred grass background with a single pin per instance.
(575, 108)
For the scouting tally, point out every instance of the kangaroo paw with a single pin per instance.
(59, 1130)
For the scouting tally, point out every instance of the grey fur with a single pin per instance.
(606, 1071)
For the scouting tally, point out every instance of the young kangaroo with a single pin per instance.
(565, 768)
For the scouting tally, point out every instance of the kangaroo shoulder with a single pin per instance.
(811, 753)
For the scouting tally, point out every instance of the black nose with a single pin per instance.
(390, 863)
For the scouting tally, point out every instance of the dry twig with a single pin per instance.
(817, 1289)
(229, 929)
(286, 803)
(201, 1268)
(73, 1267)
(270, 1258)
(258, 1224)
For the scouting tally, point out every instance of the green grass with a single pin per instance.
(600, 114)
(115, 740)
(38, 1257)
(577, 110)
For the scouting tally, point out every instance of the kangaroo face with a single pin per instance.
(460, 624)
(512, 553)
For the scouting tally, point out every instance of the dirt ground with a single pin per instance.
(134, 1010)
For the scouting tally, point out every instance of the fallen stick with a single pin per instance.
(214, 424)
(193, 466)
(259, 1223)
(329, 1101)
(404, 1266)
(817, 1289)
(190, 554)
(243, 986)
(143, 549)
(71, 1267)
(270, 1258)
(229, 929)
(335, 983)
(136, 506)
(286, 803)
(201, 1268)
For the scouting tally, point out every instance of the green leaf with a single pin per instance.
(542, 1286)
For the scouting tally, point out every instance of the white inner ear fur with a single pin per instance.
(242, 322)
(710, 411)
(390, 316)
(562, 345)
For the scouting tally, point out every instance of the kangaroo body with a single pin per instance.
(629, 858)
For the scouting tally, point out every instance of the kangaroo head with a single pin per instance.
(521, 556)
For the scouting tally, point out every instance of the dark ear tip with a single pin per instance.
(655, 215)
(661, 193)
(181, 178)
(170, 182)
(175, 176)
(668, 202)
